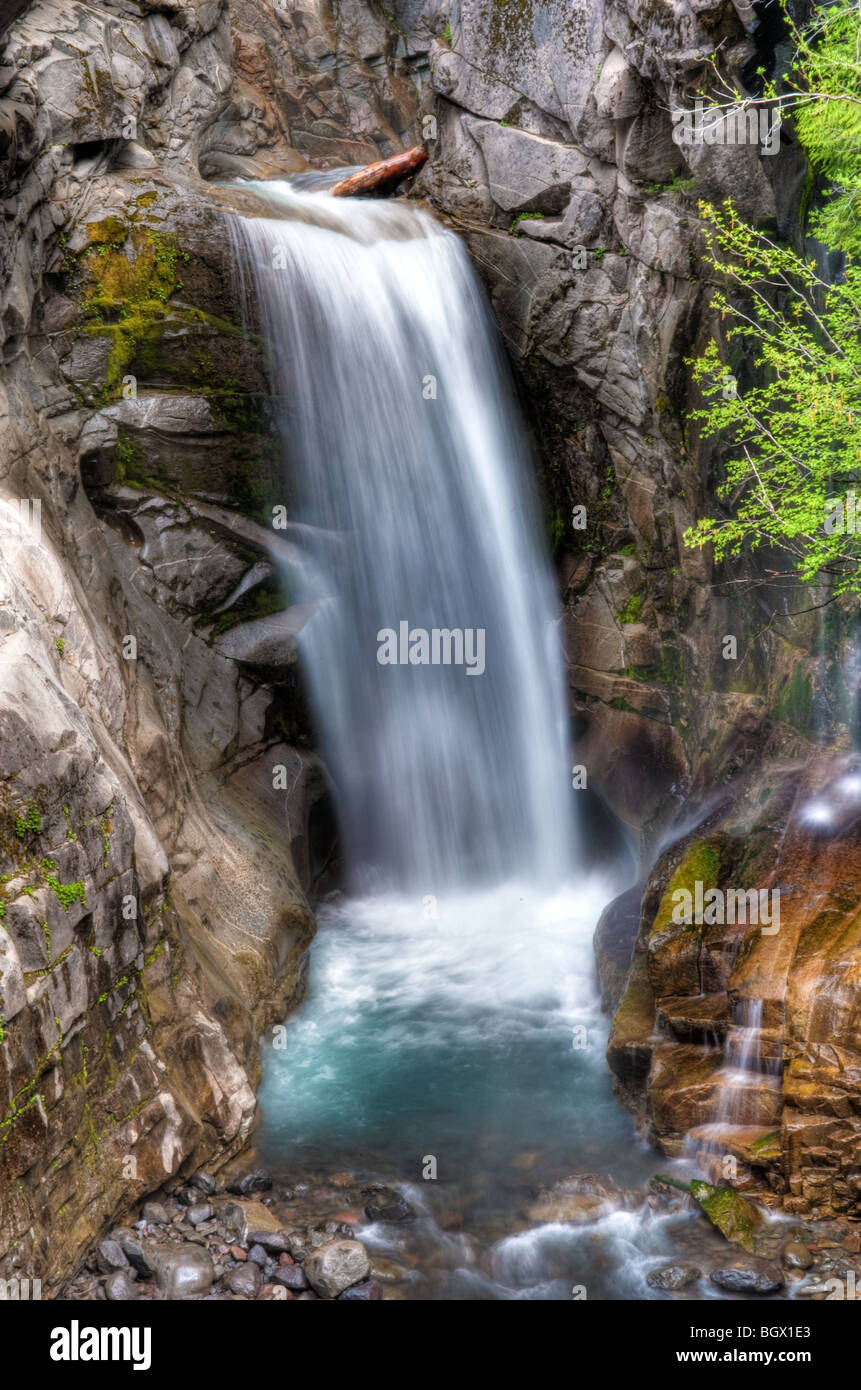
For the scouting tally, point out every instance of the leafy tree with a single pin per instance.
(795, 436)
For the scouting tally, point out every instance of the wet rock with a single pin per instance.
(109, 1256)
(796, 1255)
(186, 1272)
(255, 1181)
(291, 1276)
(205, 1183)
(673, 1277)
(119, 1288)
(135, 1252)
(199, 1213)
(572, 1208)
(248, 1220)
(336, 1267)
(366, 1292)
(384, 1204)
(258, 1255)
(735, 1217)
(273, 1242)
(244, 1279)
(748, 1276)
(155, 1214)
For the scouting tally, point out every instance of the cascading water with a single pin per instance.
(452, 1017)
(406, 461)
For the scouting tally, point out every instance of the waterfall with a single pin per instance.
(404, 461)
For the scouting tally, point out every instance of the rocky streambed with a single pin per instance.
(245, 1236)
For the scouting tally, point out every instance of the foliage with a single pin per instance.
(793, 436)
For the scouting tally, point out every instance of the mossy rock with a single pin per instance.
(735, 1217)
(701, 864)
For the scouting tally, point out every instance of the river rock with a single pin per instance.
(110, 1256)
(248, 1220)
(735, 1217)
(366, 1292)
(575, 1209)
(205, 1183)
(384, 1204)
(185, 1272)
(155, 1214)
(255, 1181)
(796, 1255)
(244, 1279)
(291, 1276)
(336, 1267)
(199, 1213)
(673, 1277)
(135, 1252)
(119, 1287)
(748, 1276)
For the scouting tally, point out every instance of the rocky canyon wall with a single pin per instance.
(154, 911)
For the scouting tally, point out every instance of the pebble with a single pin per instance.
(258, 1255)
(200, 1213)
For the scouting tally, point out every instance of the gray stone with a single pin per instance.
(336, 1266)
(244, 1279)
(673, 1277)
(119, 1287)
(748, 1276)
(185, 1272)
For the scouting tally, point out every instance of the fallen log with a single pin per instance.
(386, 173)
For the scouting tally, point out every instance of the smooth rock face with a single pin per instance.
(336, 1267)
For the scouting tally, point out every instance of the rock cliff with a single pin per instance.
(154, 916)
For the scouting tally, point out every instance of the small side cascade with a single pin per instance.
(744, 1135)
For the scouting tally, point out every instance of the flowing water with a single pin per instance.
(451, 1041)
(407, 468)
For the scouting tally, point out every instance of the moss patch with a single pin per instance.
(701, 864)
(735, 1218)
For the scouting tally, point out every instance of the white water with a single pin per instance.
(418, 511)
(452, 1009)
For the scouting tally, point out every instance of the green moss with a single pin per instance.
(127, 291)
(632, 610)
(794, 704)
(736, 1218)
(259, 603)
(700, 864)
